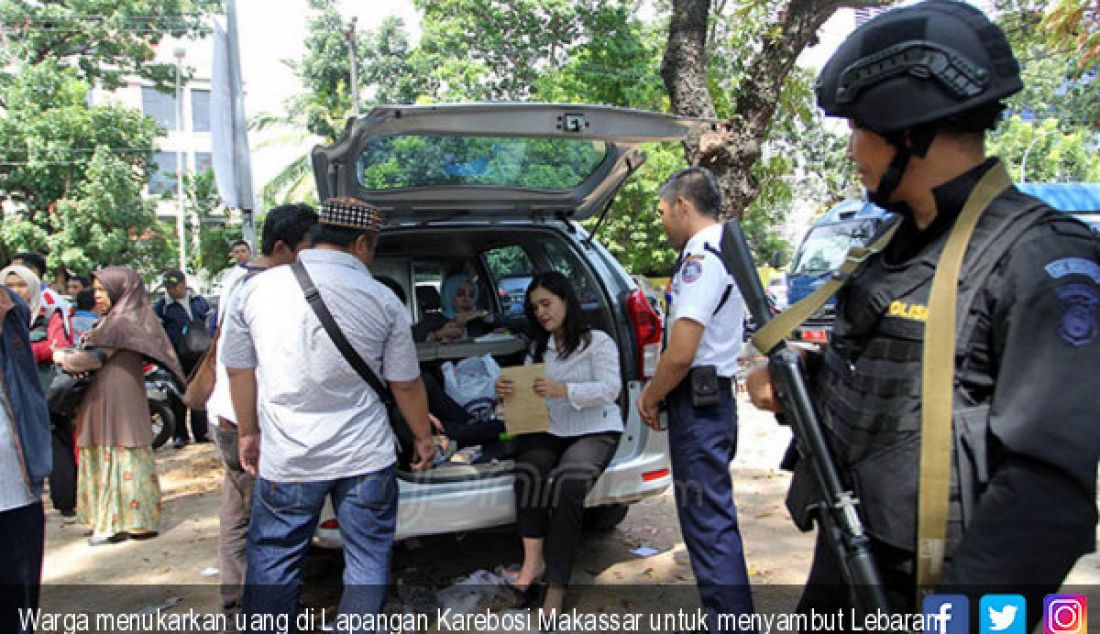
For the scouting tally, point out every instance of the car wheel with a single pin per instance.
(604, 518)
(163, 421)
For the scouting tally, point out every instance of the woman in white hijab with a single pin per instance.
(25, 284)
(47, 335)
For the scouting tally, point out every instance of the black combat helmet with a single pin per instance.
(917, 65)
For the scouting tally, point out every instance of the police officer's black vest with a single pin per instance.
(868, 390)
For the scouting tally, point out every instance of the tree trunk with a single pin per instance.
(731, 148)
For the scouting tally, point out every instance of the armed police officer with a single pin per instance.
(693, 378)
(919, 86)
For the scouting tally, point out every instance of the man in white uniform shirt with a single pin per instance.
(695, 378)
(325, 431)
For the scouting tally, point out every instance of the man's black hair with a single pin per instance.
(238, 243)
(83, 279)
(85, 299)
(286, 223)
(36, 261)
(696, 185)
(342, 237)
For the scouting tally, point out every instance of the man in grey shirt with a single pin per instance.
(325, 431)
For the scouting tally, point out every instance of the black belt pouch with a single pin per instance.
(704, 386)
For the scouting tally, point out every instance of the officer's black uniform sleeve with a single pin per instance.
(1038, 512)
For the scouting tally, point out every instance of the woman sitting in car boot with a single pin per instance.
(554, 471)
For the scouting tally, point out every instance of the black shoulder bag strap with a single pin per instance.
(400, 427)
(729, 286)
(313, 296)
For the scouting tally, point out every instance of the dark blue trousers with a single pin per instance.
(22, 543)
(702, 443)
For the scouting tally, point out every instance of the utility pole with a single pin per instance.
(353, 58)
(180, 227)
(242, 164)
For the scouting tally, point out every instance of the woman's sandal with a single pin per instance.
(529, 596)
(99, 540)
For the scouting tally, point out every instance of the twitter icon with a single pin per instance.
(1002, 614)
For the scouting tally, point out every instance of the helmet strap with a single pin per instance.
(891, 178)
(909, 143)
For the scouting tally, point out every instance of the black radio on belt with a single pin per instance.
(705, 386)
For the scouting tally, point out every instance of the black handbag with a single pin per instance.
(405, 438)
(195, 342)
(66, 392)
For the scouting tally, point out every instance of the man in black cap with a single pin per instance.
(958, 389)
(325, 428)
(180, 310)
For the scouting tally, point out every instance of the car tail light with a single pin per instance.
(331, 524)
(650, 476)
(647, 331)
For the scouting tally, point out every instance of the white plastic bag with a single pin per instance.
(472, 384)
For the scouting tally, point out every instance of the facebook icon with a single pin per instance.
(946, 614)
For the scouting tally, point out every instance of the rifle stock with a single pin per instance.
(837, 511)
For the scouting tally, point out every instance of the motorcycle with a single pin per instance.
(165, 397)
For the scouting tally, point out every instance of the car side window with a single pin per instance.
(511, 269)
(427, 282)
(564, 260)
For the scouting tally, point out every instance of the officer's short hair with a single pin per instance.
(696, 185)
(244, 243)
(288, 223)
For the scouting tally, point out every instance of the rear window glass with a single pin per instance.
(406, 161)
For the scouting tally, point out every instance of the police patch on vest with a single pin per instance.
(1073, 266)
(692, 271)
(1078, 325)
(912, 312)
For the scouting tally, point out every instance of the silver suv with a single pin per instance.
(495, 191)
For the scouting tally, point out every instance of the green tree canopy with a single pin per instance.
(105, 42)
(71, 173)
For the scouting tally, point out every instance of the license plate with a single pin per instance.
(817, 336)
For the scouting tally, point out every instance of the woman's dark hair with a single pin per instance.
(576, 335)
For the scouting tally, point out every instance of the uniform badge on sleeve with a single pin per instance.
(1078, 326)
(692, 269)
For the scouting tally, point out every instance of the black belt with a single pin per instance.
(684, 387)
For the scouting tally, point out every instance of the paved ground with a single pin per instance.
(608, 575)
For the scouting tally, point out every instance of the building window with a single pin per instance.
(204, 161)
(163, 180)
(200, 110)
(159, 106)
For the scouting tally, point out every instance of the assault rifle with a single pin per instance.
(836, 509)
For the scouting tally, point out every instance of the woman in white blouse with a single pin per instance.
(581, 387)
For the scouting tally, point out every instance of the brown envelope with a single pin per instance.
(524, 411)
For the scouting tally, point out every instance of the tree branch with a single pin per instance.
(733, 148)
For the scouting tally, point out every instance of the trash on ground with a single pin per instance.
(475, 592)
(210, 572)
(167, 604)
(645, 551)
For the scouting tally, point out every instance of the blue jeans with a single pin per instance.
(702, 442)
(284, 518)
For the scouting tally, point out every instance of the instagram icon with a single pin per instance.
(1065, 614)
